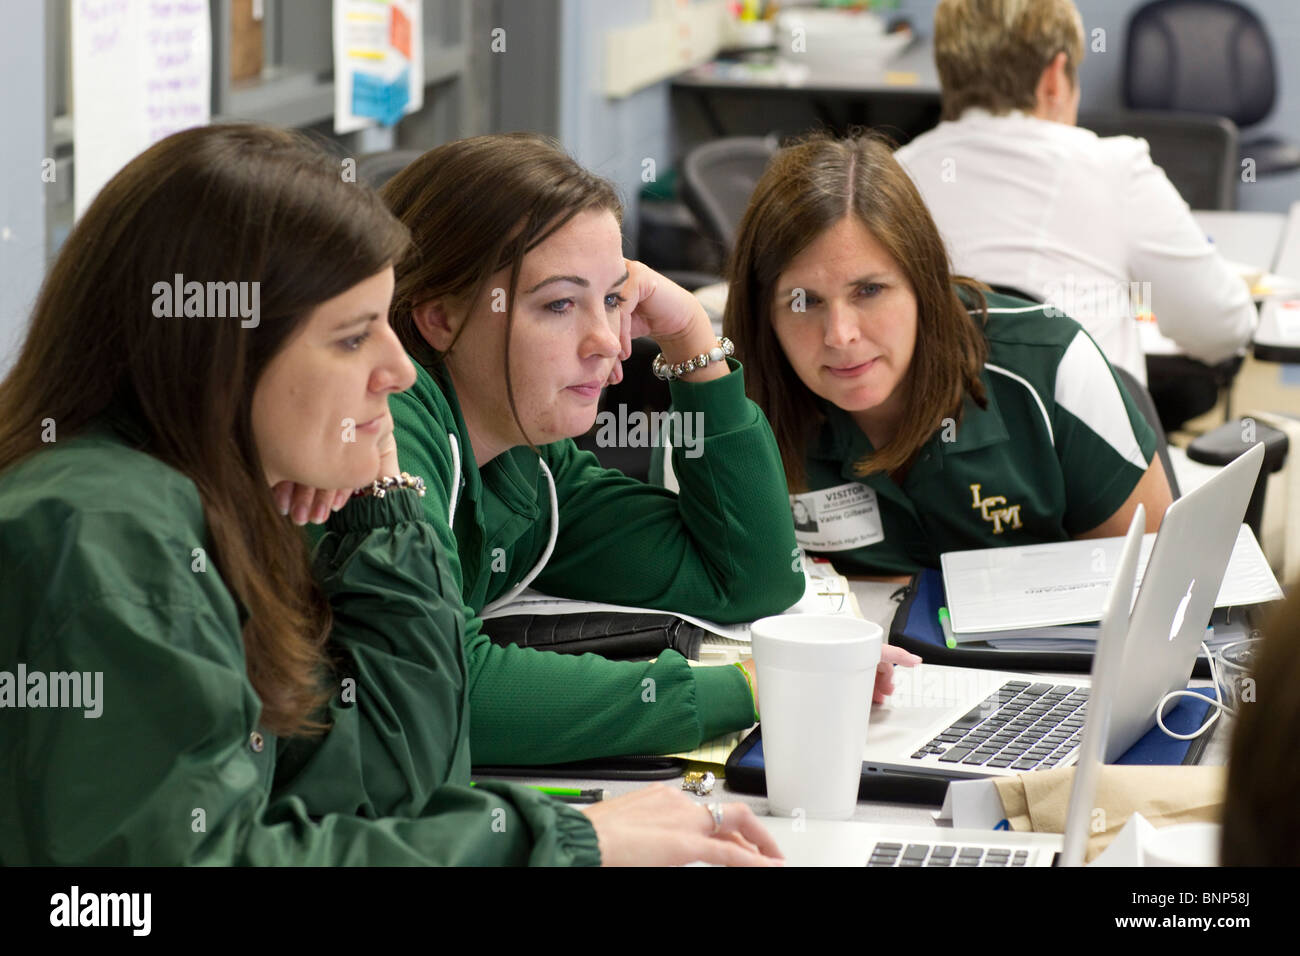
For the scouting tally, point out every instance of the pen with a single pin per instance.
(567, 794)
(946, 624)
(573, 794)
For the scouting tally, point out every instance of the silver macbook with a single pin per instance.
(959, 722)
(849, 843)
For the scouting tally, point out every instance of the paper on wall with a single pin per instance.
(140, 72)
(378, 62)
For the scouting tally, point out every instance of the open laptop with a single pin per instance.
(849, 843)
(958, 722)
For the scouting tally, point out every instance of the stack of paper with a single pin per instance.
(1038, 595)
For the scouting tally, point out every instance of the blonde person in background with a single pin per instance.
(1024, 198)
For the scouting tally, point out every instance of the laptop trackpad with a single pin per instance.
(926, 699)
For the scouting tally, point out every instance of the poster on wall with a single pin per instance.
(378, 62)
(140, 71)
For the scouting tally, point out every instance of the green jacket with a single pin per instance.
(724, 549)
(101, 573)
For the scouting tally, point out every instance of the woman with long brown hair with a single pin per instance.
(180, 682)
(915, 411)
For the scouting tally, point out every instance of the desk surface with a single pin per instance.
(1250, 238)
(911, 71)
(876, 603)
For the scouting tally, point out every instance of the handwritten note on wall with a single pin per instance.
(141, 70)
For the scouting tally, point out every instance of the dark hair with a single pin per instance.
(474, 207)
(808, 188)
(1261, 811)
(224, 203)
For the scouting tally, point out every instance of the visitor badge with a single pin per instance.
(837, 519)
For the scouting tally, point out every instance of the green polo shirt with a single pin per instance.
(1059, 450)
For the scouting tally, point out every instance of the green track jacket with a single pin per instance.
(723, 549)
(129, 729)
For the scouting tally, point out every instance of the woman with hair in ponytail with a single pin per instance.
(180, 682)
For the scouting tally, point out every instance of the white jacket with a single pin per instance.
(1084, 222)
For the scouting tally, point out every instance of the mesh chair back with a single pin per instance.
(1198, 152)
(717, 180)
(1202, 56)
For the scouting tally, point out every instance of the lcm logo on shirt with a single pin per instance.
(990, 511)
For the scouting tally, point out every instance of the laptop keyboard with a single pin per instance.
(922, 854)
(1022, 726)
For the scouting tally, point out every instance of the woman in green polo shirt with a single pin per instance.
(915, 412)
(518, 306)
(179, 683)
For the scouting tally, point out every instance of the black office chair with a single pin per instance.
(1199, 153)
(1207, 56)
(717, 180)
(376, 169)
(1232, 439)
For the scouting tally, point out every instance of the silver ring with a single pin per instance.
(715, 811)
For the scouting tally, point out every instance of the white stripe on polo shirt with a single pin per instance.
(1012, 375)
(1051, 435)
(1081, 370)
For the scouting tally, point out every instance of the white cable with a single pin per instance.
(455, 480)
(546, 555)
(1219, 706)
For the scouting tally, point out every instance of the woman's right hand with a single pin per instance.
(659, 826)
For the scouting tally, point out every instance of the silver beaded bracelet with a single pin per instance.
(668, 372)
(379, 487)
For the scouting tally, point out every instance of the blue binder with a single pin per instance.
(916, 628)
